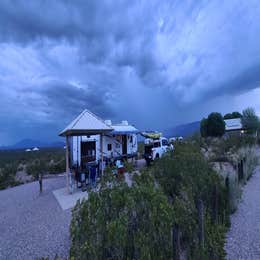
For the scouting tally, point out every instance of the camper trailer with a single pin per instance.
(120, 143)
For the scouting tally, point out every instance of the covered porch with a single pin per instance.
(85, 124)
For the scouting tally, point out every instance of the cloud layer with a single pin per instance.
(155, 63)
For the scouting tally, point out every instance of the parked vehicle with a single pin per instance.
(155, 148)
(176, 138)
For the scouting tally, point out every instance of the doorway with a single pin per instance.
(124, 145)
(88, 152)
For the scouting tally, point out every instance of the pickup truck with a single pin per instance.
(155, 148)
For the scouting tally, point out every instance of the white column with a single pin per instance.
(67, 162)
(101, 150)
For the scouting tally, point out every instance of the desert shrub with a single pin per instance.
(195, 138)
(129, 166)
(231, 143)
(235, 192)
(7, 176)
(250, 161)
(36, 168)
(122, 223)
(186, 177)
(13, 160)
(250, 120)
(56, 167)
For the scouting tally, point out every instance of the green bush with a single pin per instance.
(36, 168)
(250, 120)
(186, 177)
(122, 223)
(56, 167)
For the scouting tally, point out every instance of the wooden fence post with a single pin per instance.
(40, 182)
(239, 171)
(242, 169)
(201, 222)
(215, 204)
(176, 242)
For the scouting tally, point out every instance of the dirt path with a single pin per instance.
(243, 238)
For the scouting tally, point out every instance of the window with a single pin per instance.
(131, 139)
(157, 144)
(109, 147)
(164, 142)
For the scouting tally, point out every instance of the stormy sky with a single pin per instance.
(154, 63)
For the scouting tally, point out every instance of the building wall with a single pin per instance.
(114, 140)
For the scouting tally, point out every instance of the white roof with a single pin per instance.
(233, 124)
(27, 150)
(86, 123)
(123, 128)
(35, 149)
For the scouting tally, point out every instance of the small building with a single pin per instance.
(28, 150)
(234, 124)
(35, 149)
(90, 139)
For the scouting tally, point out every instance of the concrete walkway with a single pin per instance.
(67, 200)
(33, 225)
(243, 238)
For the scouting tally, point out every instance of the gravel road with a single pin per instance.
(243, 238)
(33, 225)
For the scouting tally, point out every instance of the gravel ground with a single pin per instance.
(243, 238)
(33, 225)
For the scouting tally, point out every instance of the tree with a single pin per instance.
(214, 125)
(228, 116)
(232, 115)
(250, 120)
(204, 127)
(236, 115)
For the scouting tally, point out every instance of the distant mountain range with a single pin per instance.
(183, 130)
(30, 143)
(180, 130)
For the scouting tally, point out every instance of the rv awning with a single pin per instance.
(86, 123)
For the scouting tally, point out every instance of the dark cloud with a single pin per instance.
(138, 60)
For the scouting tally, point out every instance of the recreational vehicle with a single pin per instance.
(120, 143)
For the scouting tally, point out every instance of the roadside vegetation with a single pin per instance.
(232, 155)
(169, 210)
(18, 166)
(179, 207)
